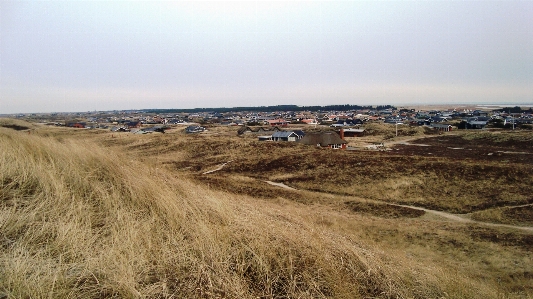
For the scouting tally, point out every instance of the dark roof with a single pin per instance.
(283, 134)
(133, 123)
(322, 138)
(299, 133)
(478, 123)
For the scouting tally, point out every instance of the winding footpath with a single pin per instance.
(217, 169)
(280, 185)
(446, 215)
(463, 219)
(449, 216)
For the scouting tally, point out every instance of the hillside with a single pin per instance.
(87, 214)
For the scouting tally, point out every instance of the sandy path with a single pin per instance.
(462, 218)
(449, 216)
(217, 169)
(280, 185)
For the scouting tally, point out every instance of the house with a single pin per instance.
(441, 127)
(160, 129)
(287, 136)
(393, 120)
(79, 125)
(300, 133)
(277, 122)
(351, 133)
(194, 129)
(348, 122)
(324, 139)
(133, 124)
(119, 129)
(475, 124)
(310, 121)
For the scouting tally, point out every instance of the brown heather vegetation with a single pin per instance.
(91, 214)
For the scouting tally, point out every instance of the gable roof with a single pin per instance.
(300, 133)
(284, 134)
(322, 138)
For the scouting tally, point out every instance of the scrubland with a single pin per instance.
(91, 214)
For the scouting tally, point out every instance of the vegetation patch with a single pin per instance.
(15, 127)
(522, 215)
(521, 240)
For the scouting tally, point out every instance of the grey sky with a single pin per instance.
(85, 55)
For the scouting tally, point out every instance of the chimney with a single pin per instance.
(342, 133)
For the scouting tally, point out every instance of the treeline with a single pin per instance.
(271, 109)
(515, 109)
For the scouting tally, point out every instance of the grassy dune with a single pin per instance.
(79, 220)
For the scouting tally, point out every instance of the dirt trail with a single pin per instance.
(217, 169)
(462, 218)
(520, 206)
(449, 216)
(280, 185)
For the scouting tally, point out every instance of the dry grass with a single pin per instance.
(78, 219)
(521, 215)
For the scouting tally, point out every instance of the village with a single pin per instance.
(318, 128)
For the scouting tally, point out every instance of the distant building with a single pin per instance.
(79, 125)
(277, 122)
(351, 133)
(194, 129)
(133, 124)
(441, 127)
(287, 135)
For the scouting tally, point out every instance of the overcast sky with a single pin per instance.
(103, 55)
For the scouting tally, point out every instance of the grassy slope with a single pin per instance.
(80, 220)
